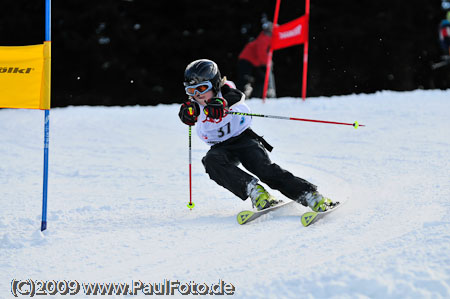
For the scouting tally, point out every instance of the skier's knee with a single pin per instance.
(210, 159)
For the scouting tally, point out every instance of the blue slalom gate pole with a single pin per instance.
(46, 126)
(45, 181)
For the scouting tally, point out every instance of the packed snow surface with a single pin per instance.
(119, 186)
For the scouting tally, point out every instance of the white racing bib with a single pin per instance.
(213, 131)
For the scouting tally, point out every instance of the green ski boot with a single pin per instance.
(317, 202)
(261, 199)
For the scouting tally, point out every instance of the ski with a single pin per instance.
(248, 216)
(309, 218)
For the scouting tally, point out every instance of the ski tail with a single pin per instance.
(247, 216)
(309, 217)
(244, 216)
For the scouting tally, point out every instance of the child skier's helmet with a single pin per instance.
(203, 70)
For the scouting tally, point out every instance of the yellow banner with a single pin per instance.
(25, 76)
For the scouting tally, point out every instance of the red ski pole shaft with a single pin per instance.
(355, 124)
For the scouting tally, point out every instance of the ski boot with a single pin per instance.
(317, 202)
(261, 199)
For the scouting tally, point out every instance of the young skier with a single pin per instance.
(232, 142)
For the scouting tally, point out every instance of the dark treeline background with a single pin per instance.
(125, 52)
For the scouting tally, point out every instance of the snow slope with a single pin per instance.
(118, 189)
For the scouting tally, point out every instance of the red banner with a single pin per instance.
(293, 33)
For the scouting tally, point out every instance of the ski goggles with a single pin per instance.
(201, 88)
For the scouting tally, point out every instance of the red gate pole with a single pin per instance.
(305, 55)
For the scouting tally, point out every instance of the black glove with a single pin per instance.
(215, 108)
(189, 112)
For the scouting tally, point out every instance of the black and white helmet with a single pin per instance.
(203, 70)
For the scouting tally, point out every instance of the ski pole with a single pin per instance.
(355, 124)
(190, 205)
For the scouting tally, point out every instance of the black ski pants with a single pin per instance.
(222, 160)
